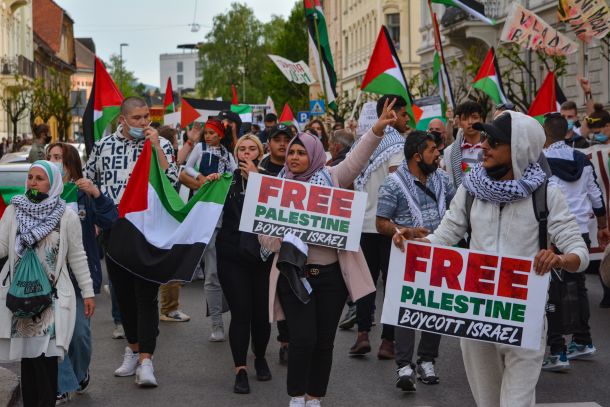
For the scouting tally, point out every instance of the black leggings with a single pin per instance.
(312, 331)
(139, 306)
(39, 381)
(245, 284)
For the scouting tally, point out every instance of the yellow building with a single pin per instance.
(353, 27)
(16, 55)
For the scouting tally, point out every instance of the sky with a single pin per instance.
(153, 27)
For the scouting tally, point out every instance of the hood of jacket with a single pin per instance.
(527, 142)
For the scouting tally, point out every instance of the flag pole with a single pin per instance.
(320, 59)
(445, 77)
(356, 104)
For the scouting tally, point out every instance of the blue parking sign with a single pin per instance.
(303, 117)
(316, 107)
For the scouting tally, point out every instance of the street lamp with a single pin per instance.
(242, 70)
(123, 44)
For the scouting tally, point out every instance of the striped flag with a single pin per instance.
(69, 194)
(169, 106)
(488, 78)
(287, 117)
(157, 236)
(472, 7)
(320, 47)
(548, 99)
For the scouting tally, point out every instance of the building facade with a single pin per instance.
(353, 27)
(182, 67)
(16, 54)
(462, 35)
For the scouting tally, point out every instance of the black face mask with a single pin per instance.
(34, 196)
(427, 169)
(498, 172)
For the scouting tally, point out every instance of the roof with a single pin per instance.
(48, 19)
(85, 59)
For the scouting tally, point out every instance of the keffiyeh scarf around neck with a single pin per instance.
(456, 158)
(391, 144)
(406, 182)
(478, 183)
(35, 220)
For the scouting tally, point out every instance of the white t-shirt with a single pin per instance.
(372, 189)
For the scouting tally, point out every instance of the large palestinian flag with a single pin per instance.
(472, 7)
(200, 110)
(384, 74)
(103, 106)
(320, 49)
(488, 78)
(548, 100)
(157, 236)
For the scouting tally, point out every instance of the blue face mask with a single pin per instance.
(600, 137)
(136, 132)
(60, 165)
(570, 125)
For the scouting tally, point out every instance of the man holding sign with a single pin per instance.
(502, 188)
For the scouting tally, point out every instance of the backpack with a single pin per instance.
(541, 211)
(31, 291)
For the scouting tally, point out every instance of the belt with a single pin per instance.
(314, 270)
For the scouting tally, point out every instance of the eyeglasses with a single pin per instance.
(493, 143)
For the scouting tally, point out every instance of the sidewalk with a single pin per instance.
(9, 388)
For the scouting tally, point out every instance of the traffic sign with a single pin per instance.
(316, 107)
(303, 117)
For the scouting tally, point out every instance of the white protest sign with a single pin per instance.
(466, 293)
(297, 72)
(316, 214)
(172, 119)
(367, 118)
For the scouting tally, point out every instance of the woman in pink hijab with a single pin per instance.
(331, 274)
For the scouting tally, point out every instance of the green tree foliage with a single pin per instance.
(16, 101)
(125, 79)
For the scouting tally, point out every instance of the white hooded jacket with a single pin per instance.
(513, 230)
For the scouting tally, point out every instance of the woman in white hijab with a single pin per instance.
(39, 220)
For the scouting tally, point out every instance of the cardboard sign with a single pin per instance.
(466, 293)
(316, 214)
(367, 118)
(589, 18)
(297, 72)
(530, 31)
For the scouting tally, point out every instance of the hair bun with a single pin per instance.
(598, 107)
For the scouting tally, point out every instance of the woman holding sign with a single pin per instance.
(330, 274)
(243, 274)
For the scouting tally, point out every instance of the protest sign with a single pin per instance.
(297, 72)
(466, 293)
(530, 31)
(316, 214)
(367, 118)
(589, 18)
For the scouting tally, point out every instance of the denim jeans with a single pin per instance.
(76, 362)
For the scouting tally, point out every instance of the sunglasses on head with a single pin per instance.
(592, 120)
(493, 143)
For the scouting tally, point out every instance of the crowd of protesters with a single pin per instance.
(459, 182)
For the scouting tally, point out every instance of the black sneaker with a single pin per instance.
(242, 386)
(62, 398)
(284, 355)
(263, 374)
(82, 386)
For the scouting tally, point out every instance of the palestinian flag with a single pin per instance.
(440, 75)
(70, 195)
(200, 110)
(244, 112)
(158, 237)
(432, 108)
(384, 74)
(320, 49)
(168, 102)
(288, 118)
(548, 99)
(103, 106)
(488, 78)
(472, 7)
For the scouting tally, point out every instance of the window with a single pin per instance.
(180, 79)
(179, 66)
(393, 24)
(197, 69)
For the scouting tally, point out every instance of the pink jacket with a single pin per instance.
(354, 269)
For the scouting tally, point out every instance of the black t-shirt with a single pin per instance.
(271, 168)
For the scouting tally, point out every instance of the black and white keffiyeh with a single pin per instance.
(456, 158)
(406, 182)
(478, 183)
(391, 144)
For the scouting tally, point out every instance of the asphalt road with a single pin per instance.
(194, 372)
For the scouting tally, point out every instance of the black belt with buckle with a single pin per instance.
(314, 270)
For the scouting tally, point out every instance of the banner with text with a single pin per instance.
(316, 214)
(297, 72)
(367, 118)
(530, 31)
(466, 293)
(588, 18)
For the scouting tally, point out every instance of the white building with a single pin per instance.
(16, 53)
(182, 67)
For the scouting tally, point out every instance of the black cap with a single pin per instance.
(229, 115)
(280, 129)
(500, 129)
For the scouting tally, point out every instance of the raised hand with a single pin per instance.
(388, 117)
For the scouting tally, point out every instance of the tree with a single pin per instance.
(16, 102)
(125, 80)
(60, 104)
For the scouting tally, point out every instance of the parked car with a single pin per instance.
(14, 174)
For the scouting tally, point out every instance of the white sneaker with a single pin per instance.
(405, 380)
(218, 334)
(130, 363)
(145, 374)
(297, 402)
(313, 403)
(175, 316)
(119, 332)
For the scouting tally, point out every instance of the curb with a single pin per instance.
(9, 388)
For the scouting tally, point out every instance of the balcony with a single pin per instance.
(18, 65)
